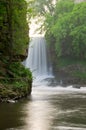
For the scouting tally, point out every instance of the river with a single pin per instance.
(48, 108)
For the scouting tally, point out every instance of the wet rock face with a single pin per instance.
(72, 68)
(9, 94)
(68, 77)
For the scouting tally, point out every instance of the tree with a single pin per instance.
(78, 30)
(42, 7)
(67, 26)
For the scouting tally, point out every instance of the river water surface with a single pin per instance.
(47, 109)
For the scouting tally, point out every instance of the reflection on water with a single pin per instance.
(47, 109)
(39, 114)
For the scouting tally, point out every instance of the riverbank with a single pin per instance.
(15, 81)
(10, 92)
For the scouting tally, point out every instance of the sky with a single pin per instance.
(33, 28)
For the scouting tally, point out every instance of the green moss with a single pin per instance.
(22, 77)
(79, 74)
(15, 79)
(16, 83)
(74, 68)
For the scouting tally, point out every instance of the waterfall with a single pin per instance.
(37, 60)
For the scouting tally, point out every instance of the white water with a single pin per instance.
(37, 61)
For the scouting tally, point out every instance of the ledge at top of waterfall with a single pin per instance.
(37, 61)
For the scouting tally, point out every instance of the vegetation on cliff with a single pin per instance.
(65, 31)
(15, 79)
(69, 29)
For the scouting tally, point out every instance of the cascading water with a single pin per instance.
(37, 60)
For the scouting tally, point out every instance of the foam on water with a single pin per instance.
(69, 128)
(59, 89)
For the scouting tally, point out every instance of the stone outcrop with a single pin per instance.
(68, 77)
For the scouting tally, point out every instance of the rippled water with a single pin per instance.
(47, 109)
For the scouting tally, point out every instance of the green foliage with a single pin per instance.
(41, 7)
(14, 39)
(20, 26)
(19, 70)
(64, 62)
(68, 27)
(79, 74)
(14, 27)
(17, 81)
(22, 78)
(3, 27)
(78, 30)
